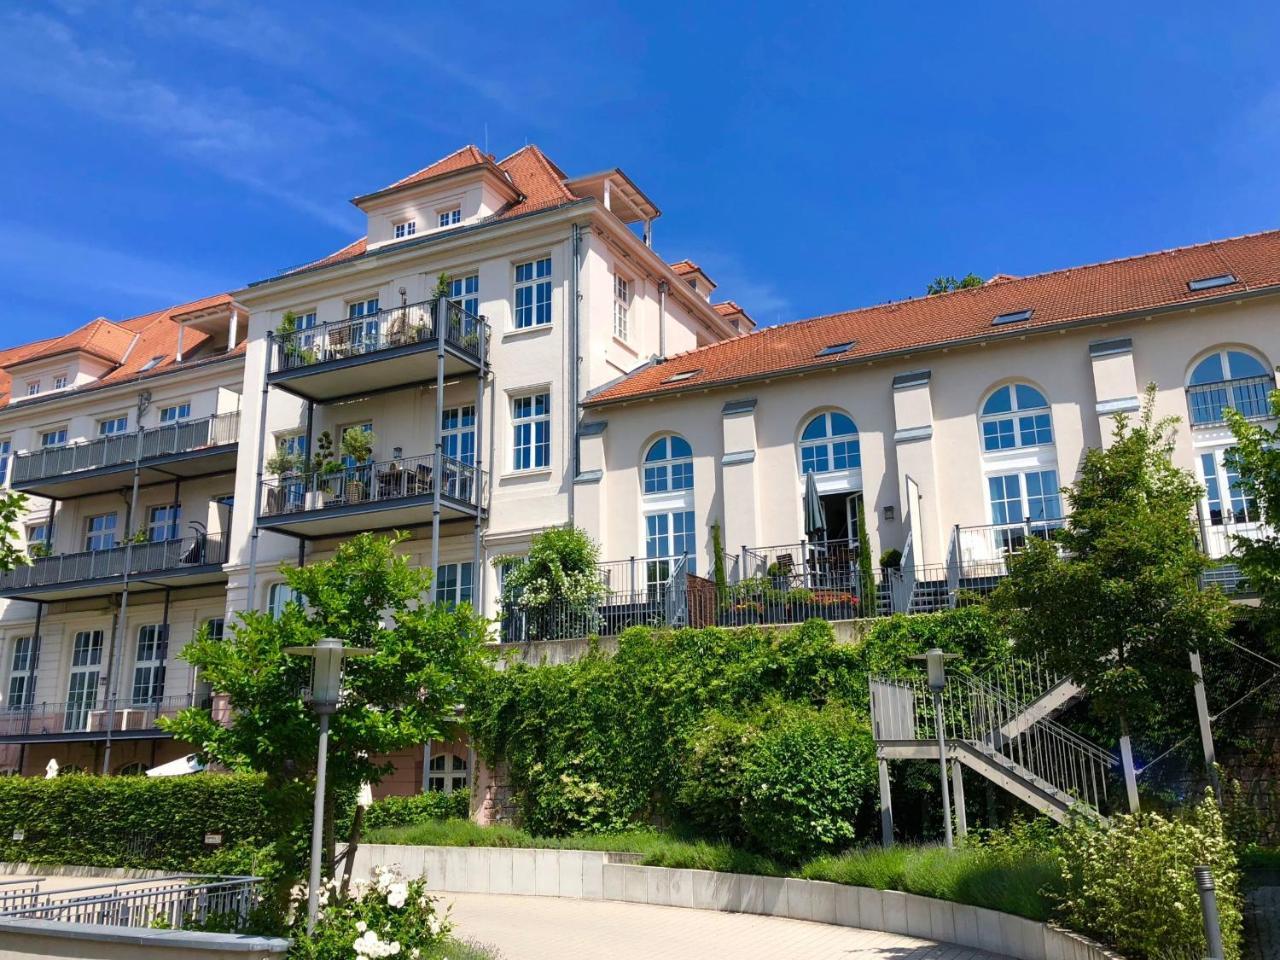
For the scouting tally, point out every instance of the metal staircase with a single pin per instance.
(1014, 744)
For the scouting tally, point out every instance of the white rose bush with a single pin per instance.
(387, 916)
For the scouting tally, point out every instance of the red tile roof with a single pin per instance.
(1079, 294)
(144, 337)
(539, 181)
(683, 267)
(468, 156)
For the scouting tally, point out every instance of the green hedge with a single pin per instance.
(129, 821)
(407, 811)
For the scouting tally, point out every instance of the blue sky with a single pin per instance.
(812, 157)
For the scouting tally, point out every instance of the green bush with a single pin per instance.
(1132, 886)
(405, 811)
(130, 821)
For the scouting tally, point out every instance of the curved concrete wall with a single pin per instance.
(39, 939)
(590, 875)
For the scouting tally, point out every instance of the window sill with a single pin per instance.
(524, 332)
(532, 475)
(625, 346)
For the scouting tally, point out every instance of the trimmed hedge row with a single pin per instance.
(129, 821)
(406, 811)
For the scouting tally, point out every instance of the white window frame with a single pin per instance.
(623, 291)
(24, 661)
(465, 290)
(539, 288)
(279, 594)
(528, 448)
(852, 443)
(82, 678)
(403, 229)
(169, 524)
(113, 426)
(449, 217)
(33, 387)
(32, 539)
(107, 532)
(175, 412)
(666, 472)
(59, 435)
(1014, 415)
(445, 770)
(460, 586)
(60, 382)
(6, 456)
(668, 535)
(149, 670)
(454, 436)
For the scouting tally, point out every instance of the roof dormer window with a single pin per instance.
(406, 228)
(451, 216)
(33, 387)
(60, 382)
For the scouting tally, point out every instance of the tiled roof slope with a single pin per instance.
(540, 182)
(148, 336)
(1079, 294)
(468, 156)
(682, 267)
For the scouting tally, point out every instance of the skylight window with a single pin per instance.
(152, 362)
(1016, 316)
(836, 348)
(1208, 283)
(682, 376)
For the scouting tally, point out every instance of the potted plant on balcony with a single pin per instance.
(39, 549)
(323, 468)
(357, 445)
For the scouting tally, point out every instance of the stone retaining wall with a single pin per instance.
(590, 875)
(40, 939)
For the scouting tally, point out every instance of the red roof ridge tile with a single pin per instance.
(476, 158)
(551, 168)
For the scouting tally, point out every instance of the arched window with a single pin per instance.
(447, 773)
(668, 465)
(1228, 379)
(135, 769)
(829, 442)
(1016, 415)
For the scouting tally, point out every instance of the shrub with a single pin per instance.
(130, 821)
(1132, 885)
(384, 917)
(407, 811)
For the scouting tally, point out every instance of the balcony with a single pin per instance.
(387, 495)
(1248, 396)
(387, 350)
(191, 448)
(86, 718)
(165, 563)
(979, 555)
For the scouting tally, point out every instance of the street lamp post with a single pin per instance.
(936, 664)
(326, 684)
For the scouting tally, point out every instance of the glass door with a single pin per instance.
(82, 688)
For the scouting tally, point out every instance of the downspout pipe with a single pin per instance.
(575, 364)
(662, 319)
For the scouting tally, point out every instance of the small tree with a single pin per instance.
(13, 507)
(717, 562)
(866, 566)
(947, 284)
(1256, 458)
(426, 657)
(557, 584)
(1114, 601)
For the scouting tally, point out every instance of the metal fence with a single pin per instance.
(174, 902)
(384, 481)
(186, 436)
(1248, 396)
(384, 329)
(982, 552)
(158, 557)
(88, 714)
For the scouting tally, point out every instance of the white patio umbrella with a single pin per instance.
(177, 768)
(51, 769)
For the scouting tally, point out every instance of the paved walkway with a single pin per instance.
(550, 928)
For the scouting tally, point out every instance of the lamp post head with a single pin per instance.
(935, 662)
(326, 670)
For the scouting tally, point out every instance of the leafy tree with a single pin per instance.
(426, 657)
(1114, 600)
(949, 283)
(556, 583)
(866, 567)
(1257, 460)
(13, 507)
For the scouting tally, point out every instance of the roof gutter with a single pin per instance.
(1013, 334)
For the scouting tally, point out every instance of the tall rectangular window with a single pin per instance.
(215, 627)
(1044, 502)
(459, 436)
(163, 522)
(453, 583)
(279, 596)
(113, 425)
(6, 450)
(466, 291)
(38, 539)
(22, 672)
(531, 432)
(82, 684)
(176, 412)
(533, 293)
(100, 532)
(621, 307)
(149, 662)
(1006, 498)
(667, 537)
(367, 332)
(1213, 492)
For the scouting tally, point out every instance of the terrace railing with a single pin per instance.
(386, 329)
(158, 557)
(1248, 396)
(88, 714)
(983, 551)
(171, 902)
(186, 436)
(384, 481)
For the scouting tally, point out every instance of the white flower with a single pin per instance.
(397, 893)
(414, 953)
(434, 924)
(361, 926)
(368, 945)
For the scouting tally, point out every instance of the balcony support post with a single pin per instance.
(440, 309)
(251, 581)
(479, 574)
(117, 632)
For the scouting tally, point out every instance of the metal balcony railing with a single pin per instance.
(1248, 396)
(158, 557)
(386, 329)
(89, 714)
(384, 481)
(168, 902)
(186, 436)
(983, 551)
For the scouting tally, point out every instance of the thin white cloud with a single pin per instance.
(103, 274)
(242, 28)
(734, 281)
(242, 138)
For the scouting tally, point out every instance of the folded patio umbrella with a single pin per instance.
(815, 518)
(177, 768)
